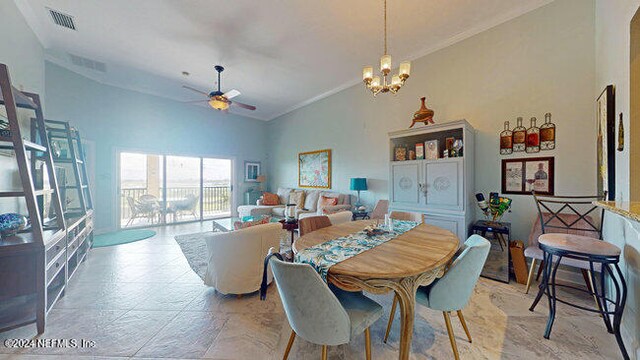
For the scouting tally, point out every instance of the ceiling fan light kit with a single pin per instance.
(376, 84)
(219, 100)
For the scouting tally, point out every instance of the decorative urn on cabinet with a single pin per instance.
(423, 115)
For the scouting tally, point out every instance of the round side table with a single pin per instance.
(597, 253)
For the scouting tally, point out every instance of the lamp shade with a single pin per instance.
(358, 184)
(261, 178)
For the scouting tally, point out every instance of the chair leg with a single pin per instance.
(464, 325)
(289, 344)
(391, 315)
(530, 277)
(324, 352)
(452, 339)
(367, 343)
(539, 270)
(586, 274)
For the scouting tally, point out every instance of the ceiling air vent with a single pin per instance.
(62, 19)
(88, 63)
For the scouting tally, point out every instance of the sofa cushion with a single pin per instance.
(245, 224)
(270, 199)
(343, 199)
(283, 194)
(278, 211)
(297, 197)
(311, 200)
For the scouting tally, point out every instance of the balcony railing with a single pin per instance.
(216, 200)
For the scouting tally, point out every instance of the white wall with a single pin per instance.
(540, 62)
(21, 51)
(612, 67)
(118, 120)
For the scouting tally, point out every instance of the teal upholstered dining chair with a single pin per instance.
(318, 314)
(453, 290)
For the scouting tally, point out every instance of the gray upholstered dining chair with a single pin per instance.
(318, 314)
(407, 216)
(453, 290)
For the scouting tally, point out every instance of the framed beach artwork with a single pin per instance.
(314, 169)
(251, 171)
(522, 176)
(605, 143)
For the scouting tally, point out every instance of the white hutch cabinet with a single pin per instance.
(442, 189)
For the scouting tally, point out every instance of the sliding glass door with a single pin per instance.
(159, 189)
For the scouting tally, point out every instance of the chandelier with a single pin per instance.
(374, 83)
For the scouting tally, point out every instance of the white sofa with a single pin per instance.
(236, 258)
(311, 204)
(336, 218)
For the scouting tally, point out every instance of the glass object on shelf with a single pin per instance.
(506, 140)
(457, 148)
(519, 135)
(547, 134)
(533, 137)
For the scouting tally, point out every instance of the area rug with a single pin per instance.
(121, 237)
(194, 249)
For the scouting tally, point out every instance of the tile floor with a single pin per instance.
(142, 300)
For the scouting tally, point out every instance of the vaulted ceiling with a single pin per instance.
(280, 54)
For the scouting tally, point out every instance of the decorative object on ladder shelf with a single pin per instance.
(11, 223)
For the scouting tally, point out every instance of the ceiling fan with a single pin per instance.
(219, 100)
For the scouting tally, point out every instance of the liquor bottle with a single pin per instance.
(547, 134)
(482, 203)
(541, 183)
(533, 137)
(506, 140)
(519, 135)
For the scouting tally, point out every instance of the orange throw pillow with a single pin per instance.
(328, 201)
(270, 199)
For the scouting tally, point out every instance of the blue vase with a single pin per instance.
(11, 223)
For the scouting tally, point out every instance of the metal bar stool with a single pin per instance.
(595, 252)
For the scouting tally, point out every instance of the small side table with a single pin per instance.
(290, 227)
(499, 259)
(359, 215)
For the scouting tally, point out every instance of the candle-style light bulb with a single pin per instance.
(385, 63)
(405, 68)
(367, 73)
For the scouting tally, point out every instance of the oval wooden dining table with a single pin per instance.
(415, 258)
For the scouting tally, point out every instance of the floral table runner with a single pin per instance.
(322, 256)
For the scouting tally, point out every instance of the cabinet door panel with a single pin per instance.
(405, 183)
(447, 224)
(443, 180)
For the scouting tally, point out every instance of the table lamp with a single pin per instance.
(261, 179)
(358, 184)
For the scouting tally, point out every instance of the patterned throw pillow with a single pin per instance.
(328, 201)
(246, 224)
(297, 197)
(270, 199)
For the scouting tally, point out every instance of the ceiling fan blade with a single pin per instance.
(196, 90)
(245, 106)
(231, 94)
(195, 101)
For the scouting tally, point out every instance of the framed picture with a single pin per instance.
(521, 176)
(605, 144)
(400, 153)
(314, 169)
(251, 171)
(431, 149)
